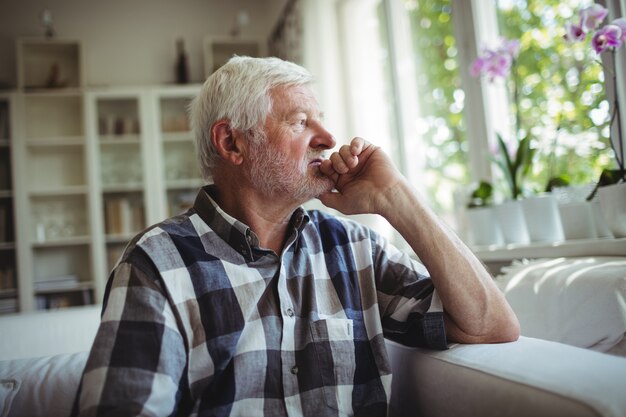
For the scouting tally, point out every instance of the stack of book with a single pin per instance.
(65, 282)
(8, 305)
(122, 217)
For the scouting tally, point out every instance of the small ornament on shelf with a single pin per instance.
(182, 67)
(46, 21)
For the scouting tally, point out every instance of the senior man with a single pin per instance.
(248, 305)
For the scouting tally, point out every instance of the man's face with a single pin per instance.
(286, 162)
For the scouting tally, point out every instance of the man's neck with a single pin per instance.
(268, 217)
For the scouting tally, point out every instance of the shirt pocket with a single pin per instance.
(333, 341)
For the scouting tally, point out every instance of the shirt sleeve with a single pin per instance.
(138, 360)
(411, 311)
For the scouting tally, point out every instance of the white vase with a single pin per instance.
(542, 218)
(484, 230)
(577, 219)
(602, 228)
(510, 216)
(613, 204)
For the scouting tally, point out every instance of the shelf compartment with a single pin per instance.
(124, 214)
(179, 201)
(56, 167)
(174, 114)
(118, 116)
(114, 252)
(8, 273)
(59, 220)
(53, 116)
(5, 123)
(180, 161)
(7, 221)
(121, 165)
(186, 137)
(52, 300)
(49, 63)
(49, 264)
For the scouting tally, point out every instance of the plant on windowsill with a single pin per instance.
(607, 39)
(513, 156)
(482, 196)
(604, 39)
(483, 229)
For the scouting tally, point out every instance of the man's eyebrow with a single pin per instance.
(320, 115)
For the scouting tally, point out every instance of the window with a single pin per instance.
(439, 121)
(562, 101)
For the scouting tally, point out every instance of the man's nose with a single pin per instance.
(323, 138)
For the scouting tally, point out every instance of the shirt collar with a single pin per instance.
(235, 233)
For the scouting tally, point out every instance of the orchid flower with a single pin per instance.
(592, 16)
(621, 23)
(496, 63)
(574, 33)
(607, 37)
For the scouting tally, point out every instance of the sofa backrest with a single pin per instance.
(48, 333)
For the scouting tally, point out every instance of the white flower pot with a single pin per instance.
(510, 216)
(602, 228)
(577, 219)
(613, 203)
(542, 218)
(484, 230)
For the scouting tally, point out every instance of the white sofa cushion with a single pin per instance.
(8, 390)
(577, 301)
(49, 332)
(42, 386)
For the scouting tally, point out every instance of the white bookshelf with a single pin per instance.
(93, 166)
(8, 246)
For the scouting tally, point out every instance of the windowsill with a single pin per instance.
(571, 248)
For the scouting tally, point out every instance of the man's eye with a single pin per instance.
(302, 122)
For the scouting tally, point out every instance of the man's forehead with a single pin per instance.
(289, 98)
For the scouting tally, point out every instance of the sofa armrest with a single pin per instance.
(530, 377)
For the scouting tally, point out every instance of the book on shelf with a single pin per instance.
(5, 171)
(4, 123)
(4, 235)
(8, 305)
(65, 282)
(7, 278)
(122, 217)
(63, 300)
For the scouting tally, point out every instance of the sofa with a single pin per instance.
(42, 356)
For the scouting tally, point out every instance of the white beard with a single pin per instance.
(273, 174)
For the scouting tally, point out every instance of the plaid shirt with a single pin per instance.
(199, 320)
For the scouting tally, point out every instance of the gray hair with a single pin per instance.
(239, 91)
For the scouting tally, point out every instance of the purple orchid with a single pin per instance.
(496, 63)
(574, 33)
(621, 23)
(592, 16)
(607, 37)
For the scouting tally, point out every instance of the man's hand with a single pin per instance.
(367, 182)
(364, 178)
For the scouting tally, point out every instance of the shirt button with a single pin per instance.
(290, 312)
(294, 370)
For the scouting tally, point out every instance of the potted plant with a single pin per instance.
(606, 39)
(480, 214)
(513, 157)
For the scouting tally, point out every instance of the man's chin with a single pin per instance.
(315, 188)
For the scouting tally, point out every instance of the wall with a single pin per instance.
(131, 41)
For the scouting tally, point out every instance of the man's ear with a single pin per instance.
(227, 142)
